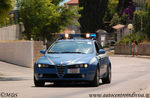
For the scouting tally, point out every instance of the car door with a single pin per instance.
(100, 58)
(104, 59)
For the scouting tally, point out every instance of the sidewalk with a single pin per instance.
(139, 56)
(111, 54)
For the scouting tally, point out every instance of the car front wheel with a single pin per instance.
(38, 83)
(107, 79)
(95, 82)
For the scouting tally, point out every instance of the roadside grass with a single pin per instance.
(110, 53)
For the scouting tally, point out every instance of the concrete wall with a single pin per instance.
(122, 32)
(20, 52)
(11, 32)
(143, 49)
(37, 46)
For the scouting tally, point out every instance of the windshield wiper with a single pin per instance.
(73, 52)
(68, 52)
(54, 52)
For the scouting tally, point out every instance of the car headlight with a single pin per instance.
(85, 65)
(40, 65)
(45, 66)
(78, 66)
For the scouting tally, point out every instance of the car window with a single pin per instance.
(96, 47)
(99, 45)
(72, 47)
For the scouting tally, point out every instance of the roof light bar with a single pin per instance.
(67, 36)
(78, 35)
(93, 35)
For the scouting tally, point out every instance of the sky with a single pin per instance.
(64, 1)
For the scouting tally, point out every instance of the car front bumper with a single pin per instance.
(55, 74)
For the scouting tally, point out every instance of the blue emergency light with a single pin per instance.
(93, 35)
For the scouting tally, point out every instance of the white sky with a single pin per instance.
(64, 1)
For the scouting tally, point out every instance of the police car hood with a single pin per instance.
(65, 59)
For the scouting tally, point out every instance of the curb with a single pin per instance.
(139, 56)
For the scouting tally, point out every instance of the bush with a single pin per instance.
(138, 36)
(115, 20)
(124, 19)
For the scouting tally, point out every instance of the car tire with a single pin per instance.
(95, 82)
(107, 79)
(38, 83)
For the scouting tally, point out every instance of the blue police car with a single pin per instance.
(73, 58)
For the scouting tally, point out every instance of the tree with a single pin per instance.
(122, 5)
(139, 21)
(115, 20)
(92, 14)
(124, 19)
(126, 7)
(5, 7)
(41, 18)
(147, 26)
(111, 10)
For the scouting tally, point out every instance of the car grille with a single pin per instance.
(50, 76)
(50, 66)
(72, 66)
(60, 69)
(72, 76)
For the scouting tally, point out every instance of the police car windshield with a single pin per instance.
(84, 47)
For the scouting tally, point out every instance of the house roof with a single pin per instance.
(73, 2)
(119, 26)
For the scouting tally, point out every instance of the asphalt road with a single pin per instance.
(129, 75)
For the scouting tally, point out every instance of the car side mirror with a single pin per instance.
(101, 51)
(43, 51)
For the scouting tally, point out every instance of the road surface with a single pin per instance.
(129, 75)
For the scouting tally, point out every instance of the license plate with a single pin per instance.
(77, 70)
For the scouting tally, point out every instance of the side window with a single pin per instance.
(97, 47)
(100, 46)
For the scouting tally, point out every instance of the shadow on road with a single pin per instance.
(11, 79)
(69, 85)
